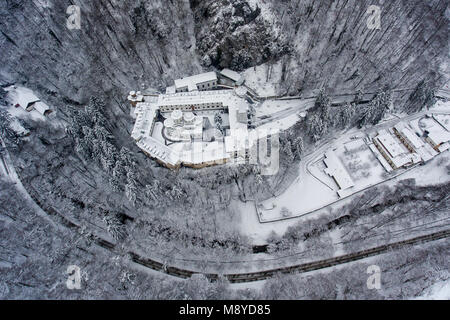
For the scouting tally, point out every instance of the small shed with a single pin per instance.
(233, 76)
(42, 108)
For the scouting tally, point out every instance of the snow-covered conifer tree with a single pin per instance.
(131, 188)
(114, 226)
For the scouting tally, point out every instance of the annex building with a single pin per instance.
(403, 146)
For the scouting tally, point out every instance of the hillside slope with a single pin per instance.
(140, 44)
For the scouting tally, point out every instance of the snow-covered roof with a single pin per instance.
(402, 159)
(199, 153)
(409, 135)
(398, 154)
(170, 90)
(233, 75)
(195, 80)
(22, 96)
(192, 86)
(168, 123)
(158, 150)
(41, 107)
(426, 152)
(439, 136)
(135, 96)
(145, 115)
(337, 171)
(443, 147)
(238, 137)
(188, 116)
(381, 158)
(177, 115)
(194, 98)
(391, 144)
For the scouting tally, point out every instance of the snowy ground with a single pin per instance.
(307, 193)
(434, 172)
(248, 224)
(268, 107)
(439, 291)
(264, 79)
(441, 106)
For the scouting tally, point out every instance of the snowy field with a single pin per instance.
(443, 120)
(434, 172)
(306, 194)
(247, 223)
(441, 106)
(439, 291)
(264, 79)
(269, 107)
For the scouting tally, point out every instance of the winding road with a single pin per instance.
(62, 222)
(50, 214)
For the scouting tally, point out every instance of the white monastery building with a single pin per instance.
(199, 82)
(182, 128)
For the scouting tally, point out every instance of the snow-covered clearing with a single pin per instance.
(264, 79)
(361, 164)
(306, 194)
(269, 107)
(441, 106)
(248, 224)
(434, 172)
(157, 132)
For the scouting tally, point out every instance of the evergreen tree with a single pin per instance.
(5, 124)
(95, 110)
(359, 96)
(376, 109)
(298, 146)
(126, 157)
(115, 183)
(114, 226)
(322, 106)
(151, 193)
(131, 188)
(423, 96)
(101, 133)
(317, 127)
(82, 148)
(287, 149)
(11, 138)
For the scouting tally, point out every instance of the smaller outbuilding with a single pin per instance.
(232, 76)
(27, 100)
